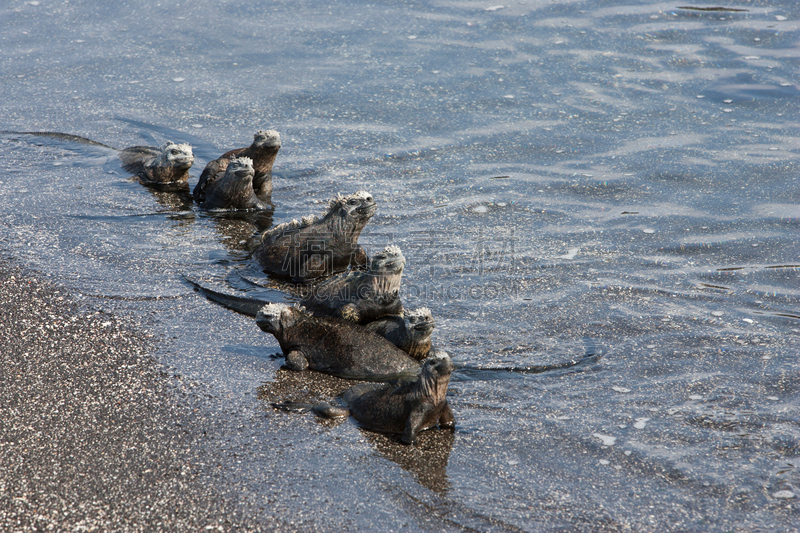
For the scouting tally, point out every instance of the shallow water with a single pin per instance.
(558, 175)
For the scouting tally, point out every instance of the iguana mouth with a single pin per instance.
(394, 265)
(368, 209)
(424, 326)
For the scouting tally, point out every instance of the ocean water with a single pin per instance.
(563, 177)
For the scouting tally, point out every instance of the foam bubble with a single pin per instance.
(608, 440)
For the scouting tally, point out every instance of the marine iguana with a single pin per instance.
(318, 246)
(404, 407)
(263, 152)
(232, 188)
(168, 164)
(400, 337)
(411, 331)
(332, 345)
(362, 296)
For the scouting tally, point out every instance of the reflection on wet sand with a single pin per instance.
(304, 387)
(426, 459)
(240, 231)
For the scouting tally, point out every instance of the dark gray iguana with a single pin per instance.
(362, 295)
(262, 152)
(403, 407)
(411, 331)
(232, 188)
(168, 164)
(164, 165)
(332, 345)
(318, 246)
(411, 336)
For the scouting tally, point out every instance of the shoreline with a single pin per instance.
(96, 435)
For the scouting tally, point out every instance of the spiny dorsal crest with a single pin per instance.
(392, 249)
(291, 225)
(300, 309)
(243, 161)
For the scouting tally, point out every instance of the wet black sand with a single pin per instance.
(94, 434)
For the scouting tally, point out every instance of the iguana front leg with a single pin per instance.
(447, 419)
(359, 258)
(414, 424)
(296, 360)
(350, 313)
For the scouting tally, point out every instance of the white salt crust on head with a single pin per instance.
(186, 148)
(420, 312)
(267, 137)
(392, 249)
(339, 200)
(272, 312)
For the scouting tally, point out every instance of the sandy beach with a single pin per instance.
(95, 434)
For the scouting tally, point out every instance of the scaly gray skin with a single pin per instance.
(362, 296)
(333, 346)
(232, 189)
(406, 407)
(410, 332)
(318, 246)
(403, 407)
(169, 164)
(263, 152)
